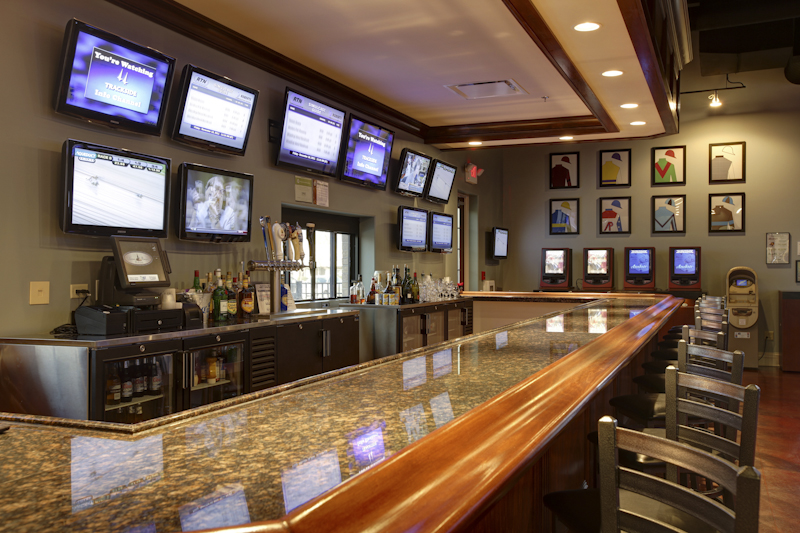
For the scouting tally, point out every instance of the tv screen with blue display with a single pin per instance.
(639, 261)
(441, 233)
(413, 226)
(311, 136)
(367, 154)
(108, 80)
(214, 112)
(685, 261)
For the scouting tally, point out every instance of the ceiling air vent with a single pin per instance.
(487, 89)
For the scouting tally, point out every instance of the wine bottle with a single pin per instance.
(196, 285)
(127, 382)
(113, 385)
(138, 380)
(415, 289)
(220, 302)
(155, 377)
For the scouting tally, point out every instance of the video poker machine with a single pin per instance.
(742, 298)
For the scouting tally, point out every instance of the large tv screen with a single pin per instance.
(214, 112)
(413, 174)
(108, 80)
(685, 261)
(639, 261)
(440, 182)
(413, 226)
(111, 191)
(367, 154)
(216, 204)
(554, 262)
(311, 136)
(441, 233)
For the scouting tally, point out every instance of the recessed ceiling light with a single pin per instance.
(587, 26)
(612, 73)
(475, 143)
(565, 138)
(629, 106)
(638, 123)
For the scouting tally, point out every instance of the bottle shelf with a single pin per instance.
(134, 401)
(201, 386)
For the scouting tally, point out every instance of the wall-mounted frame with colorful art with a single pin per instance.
(726, 162)
(564, 216)
(615, 215)
(615, 168)
(726, 213)
(668, 166)
(669, 214)
(565, 170)
(778, 248)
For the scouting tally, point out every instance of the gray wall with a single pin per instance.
(32, 135)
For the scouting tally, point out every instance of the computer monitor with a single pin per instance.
(367, 151)
(556, 268)
(499, 243)
(412, 229)
(640, 268)
(598, 268)
(440, 233)
(684, 268)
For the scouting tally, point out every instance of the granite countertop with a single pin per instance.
(96, 341)
(257, 460)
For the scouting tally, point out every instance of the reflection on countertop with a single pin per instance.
(258, 460)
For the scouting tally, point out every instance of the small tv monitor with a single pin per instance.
(140, 261)
(555, 262)
(111, 191)
(214, 112)
(367, 154)
(413, 173)
(412, 224)
(216, 204)
(440, 181)
(638, 262)
(499, 243)
(441, 233)
(685, 262)
(108, 80)
(598, 264)
(312, 135)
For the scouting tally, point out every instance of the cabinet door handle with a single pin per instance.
(463, 317)
(328, 343)
(186, 370)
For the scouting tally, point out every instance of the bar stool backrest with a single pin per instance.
(717, 339)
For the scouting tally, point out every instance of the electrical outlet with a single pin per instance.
(770, 335)
(73, 290)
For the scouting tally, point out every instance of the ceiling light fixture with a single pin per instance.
(638, 123)
(629, 106)
(587, 26)
(612, 73)
(475, 143)
(565, 138)
(714, 100)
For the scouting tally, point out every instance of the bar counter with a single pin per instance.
(431, 438)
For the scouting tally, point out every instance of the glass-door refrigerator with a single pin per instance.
(213, 368)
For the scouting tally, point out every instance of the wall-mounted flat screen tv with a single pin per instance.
(214, 112)
(312, 135)
(499, 243)
(413, 174)
(412, 224)
(367, 153)
(216, 204)
(108, 80)
(441, 233)
(111, 191)
(440, 182)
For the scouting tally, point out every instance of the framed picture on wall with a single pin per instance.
(564, 170)
(726, 212)
(726, 163)
(669, 214)
(615, 215)
(778, 247)
(669, 165)
(564, 216)
(615, 168)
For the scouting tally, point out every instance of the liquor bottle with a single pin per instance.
(372, 292)
(353, 296)
(211, 367)
(155, 377)
(138, 380)
(232, 300)
(247, 299)
(210, 285)
(196, 285)
(388, 293)
(113, 385)
(396, 286)
(219, 300)
(415, 289)
(408, 298)
(127, 382)
(360, 291)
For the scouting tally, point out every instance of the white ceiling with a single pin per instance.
(404, 54)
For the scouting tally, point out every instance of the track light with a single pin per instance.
(714, 100)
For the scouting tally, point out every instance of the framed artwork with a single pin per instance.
(669, 214)
(778, 246)
(564, 170)
(615, 215)
(726, 212)
(615, 168)
(669, 165)
(564, 213)
(726, 162)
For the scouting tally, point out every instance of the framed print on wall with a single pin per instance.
(669, 214)
(615, 168)
(726, 163)
(669, 165)
(726, 212)
(778, 247)
(564, 213)
(615, 215)
(564, 170)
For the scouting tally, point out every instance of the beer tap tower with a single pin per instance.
(277, 239)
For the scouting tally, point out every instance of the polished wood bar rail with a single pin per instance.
(487, 470)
